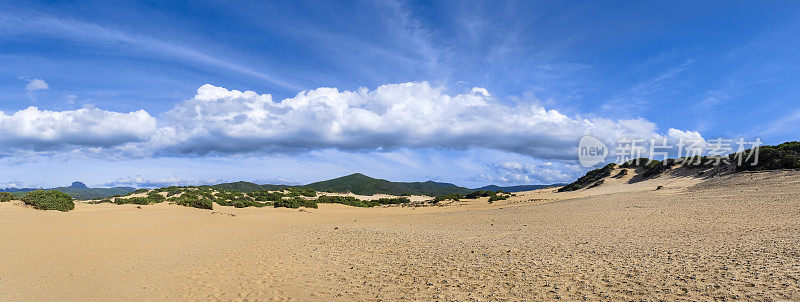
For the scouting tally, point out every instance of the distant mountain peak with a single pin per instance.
(78, 185)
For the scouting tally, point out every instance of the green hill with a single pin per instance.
(78, 190)
(94, 193)
(361, 184)
(432, 188)
(246, 187)
(364, 185)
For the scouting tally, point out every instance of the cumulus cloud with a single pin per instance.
(37, 129)
(410, 115)
(393, 116)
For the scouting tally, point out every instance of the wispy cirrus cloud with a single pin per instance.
(107, 37)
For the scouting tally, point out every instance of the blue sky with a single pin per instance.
(152, 93)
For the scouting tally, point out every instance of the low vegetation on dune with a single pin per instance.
(453, 196)
(493, 196)
(172, 190)
(266, 195)
(49, 200)
(307, 192)
(355, 202)
(236, 199)
(194, 200)
(6, 196)
(384, 201)
(295, 203)
(204, 197)
(651, 167)
(783, 156)
(231, 194)
(345, 200)
(151, 198)
(590, 177)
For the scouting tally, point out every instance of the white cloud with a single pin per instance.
(36, 84)
(407, 115)
(527, 171)
(141, 182)
(480, 91)
(37, 129)
(674, 136)
(33, 86)
(411, 115)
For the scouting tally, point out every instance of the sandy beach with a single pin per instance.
(723, 238)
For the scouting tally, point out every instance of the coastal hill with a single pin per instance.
(361, 184)
(356, 183)
(78, 190)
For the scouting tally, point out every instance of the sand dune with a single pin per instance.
(727, 237)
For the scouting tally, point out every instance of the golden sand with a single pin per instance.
(728, 237)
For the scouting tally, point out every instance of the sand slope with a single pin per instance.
(735, 236)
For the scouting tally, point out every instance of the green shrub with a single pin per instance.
(697, 161)
(132, 200)
(173, 190)
(249, 203)
(266, 195)
(307, 192)
(590, 177)
(493, 195)
(496, 197)
(453, 196)
(6, 197)
(294, 203)
(635, 163)
(783, 156)
(478, 193)
(355, 202)
(396, 200)
(151, 198)
(194, 200)
(240, 200)
(346, 200)
(49, 200)
(657, 167)
(139, 191)
(225, 198)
